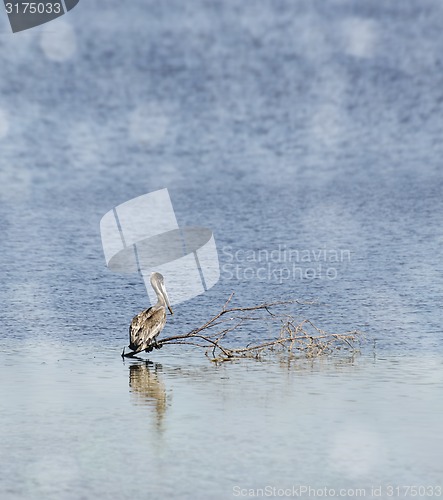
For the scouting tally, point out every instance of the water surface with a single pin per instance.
(302, 125)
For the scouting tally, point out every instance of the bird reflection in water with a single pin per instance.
(146, 385)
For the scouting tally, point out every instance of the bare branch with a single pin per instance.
(304, 337)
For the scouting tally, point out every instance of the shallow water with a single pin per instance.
(307, 136)
(79, 425)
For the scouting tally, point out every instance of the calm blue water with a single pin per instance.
(308, 136)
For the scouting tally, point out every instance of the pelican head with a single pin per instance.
(158, 284)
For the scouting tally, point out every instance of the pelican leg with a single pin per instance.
(156, 345)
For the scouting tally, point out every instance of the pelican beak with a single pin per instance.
(165, 296)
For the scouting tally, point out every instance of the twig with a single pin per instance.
(293, 334)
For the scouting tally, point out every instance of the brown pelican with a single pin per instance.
(146, 326)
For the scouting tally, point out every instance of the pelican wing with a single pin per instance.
(145, 327)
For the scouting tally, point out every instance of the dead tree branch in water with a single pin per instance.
(294, 337)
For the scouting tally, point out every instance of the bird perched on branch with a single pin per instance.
(147, 325)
